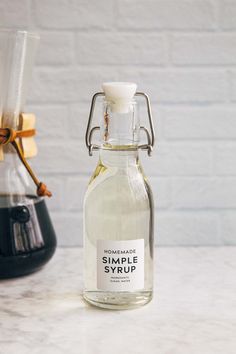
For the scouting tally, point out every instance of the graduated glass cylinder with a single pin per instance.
(118, 211)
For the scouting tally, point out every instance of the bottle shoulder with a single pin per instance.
(125, 185)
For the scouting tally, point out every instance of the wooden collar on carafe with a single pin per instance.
(24, 144)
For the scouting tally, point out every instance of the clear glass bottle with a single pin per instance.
(27, 237)
(118, 208)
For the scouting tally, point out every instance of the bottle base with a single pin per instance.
(118, 300)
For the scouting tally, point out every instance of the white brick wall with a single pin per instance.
(183, 54)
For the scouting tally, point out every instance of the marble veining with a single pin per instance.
(193, 311)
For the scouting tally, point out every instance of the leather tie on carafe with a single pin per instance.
(9, 136)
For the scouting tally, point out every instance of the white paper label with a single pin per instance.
(120, 265)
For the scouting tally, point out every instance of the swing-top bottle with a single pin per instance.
(118, 205)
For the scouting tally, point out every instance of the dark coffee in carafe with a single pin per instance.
(27, 237)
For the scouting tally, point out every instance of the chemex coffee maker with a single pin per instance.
(27, 237)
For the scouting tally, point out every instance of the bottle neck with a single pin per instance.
(119, 158)
(120, 128)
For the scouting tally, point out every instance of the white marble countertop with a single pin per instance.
(193, 311)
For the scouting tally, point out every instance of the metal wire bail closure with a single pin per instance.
(150, 135)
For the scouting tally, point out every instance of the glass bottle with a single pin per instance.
(27, 237)
(118, 206)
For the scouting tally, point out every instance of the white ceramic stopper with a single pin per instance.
(120, 94)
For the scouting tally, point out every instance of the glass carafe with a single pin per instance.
(118, 207)
(27, 238)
